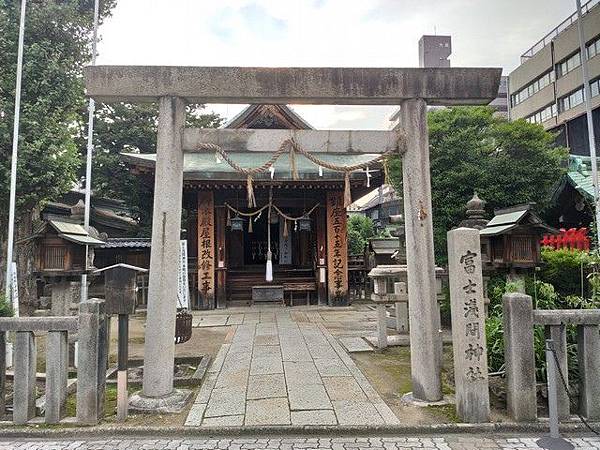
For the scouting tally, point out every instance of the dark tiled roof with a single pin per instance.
(127, 243)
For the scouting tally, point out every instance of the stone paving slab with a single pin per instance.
(224, 421)
(227, 401)
(217, 363)
(300, 372)
(266, 365)
(356, 412)
(343, 388)
(195, 415)
(332, 367)
(261, 351)
(308, 396)
(266, 386)
(314, 417)
(356, 344)
(439, 442)
(211, 321)
(279, 368)
(266, 340)
(274, 411)
(235, 319)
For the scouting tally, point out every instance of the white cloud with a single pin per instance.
(367, 33)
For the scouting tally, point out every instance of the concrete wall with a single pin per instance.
(567, 42)
(534, 103)
(535, 66)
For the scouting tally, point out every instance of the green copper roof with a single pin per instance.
(580, 176)
(204, 166)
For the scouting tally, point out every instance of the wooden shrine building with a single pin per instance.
(228, 240)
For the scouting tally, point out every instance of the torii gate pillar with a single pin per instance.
(158, 393)
(425, 338)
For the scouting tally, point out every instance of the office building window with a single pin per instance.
(595, 87)
(574, 61)
(571, 101)
(537, 85)
(564, 67)
(577, 97)
(593, 48)
(543, 114)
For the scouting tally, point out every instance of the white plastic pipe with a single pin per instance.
(15, 150)
(90, 152)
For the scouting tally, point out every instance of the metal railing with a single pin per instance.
(557, 30)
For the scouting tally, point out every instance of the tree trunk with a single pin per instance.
(24, 256)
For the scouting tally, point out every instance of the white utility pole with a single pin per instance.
(90, 152)
(590, 124)
(15, 150)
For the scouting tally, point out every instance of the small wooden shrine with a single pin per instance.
(61, 249)
(260, 216)
(511, 240)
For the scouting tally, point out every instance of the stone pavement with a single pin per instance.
(278, 370)
(453, 442)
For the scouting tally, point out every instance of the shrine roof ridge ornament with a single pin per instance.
(298, 85)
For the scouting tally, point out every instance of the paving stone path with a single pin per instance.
(277, 371)
(450, 442)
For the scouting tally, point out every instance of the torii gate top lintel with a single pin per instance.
(306, 85)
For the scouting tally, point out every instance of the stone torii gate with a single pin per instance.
(173, 87)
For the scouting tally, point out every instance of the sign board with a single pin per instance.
(183, 285)
(337, 249)
(285, 244)
(206, 248)
(14, 289)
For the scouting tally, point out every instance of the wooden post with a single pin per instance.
(337, 249)
(206, 249)
(221, 256)
(321, 272)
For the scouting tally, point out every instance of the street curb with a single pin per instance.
(107, 432)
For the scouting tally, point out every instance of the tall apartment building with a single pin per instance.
(434, 51)
(547, 88)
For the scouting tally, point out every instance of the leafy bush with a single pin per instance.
(545, 297)
(494, 333)
(356, 243)
(562, 269)
(360, 229)
(5, 307)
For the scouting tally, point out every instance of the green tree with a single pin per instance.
(57, 46)
(360, 229)
(124, 127)
(507, 163)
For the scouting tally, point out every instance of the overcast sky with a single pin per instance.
(359, 33)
